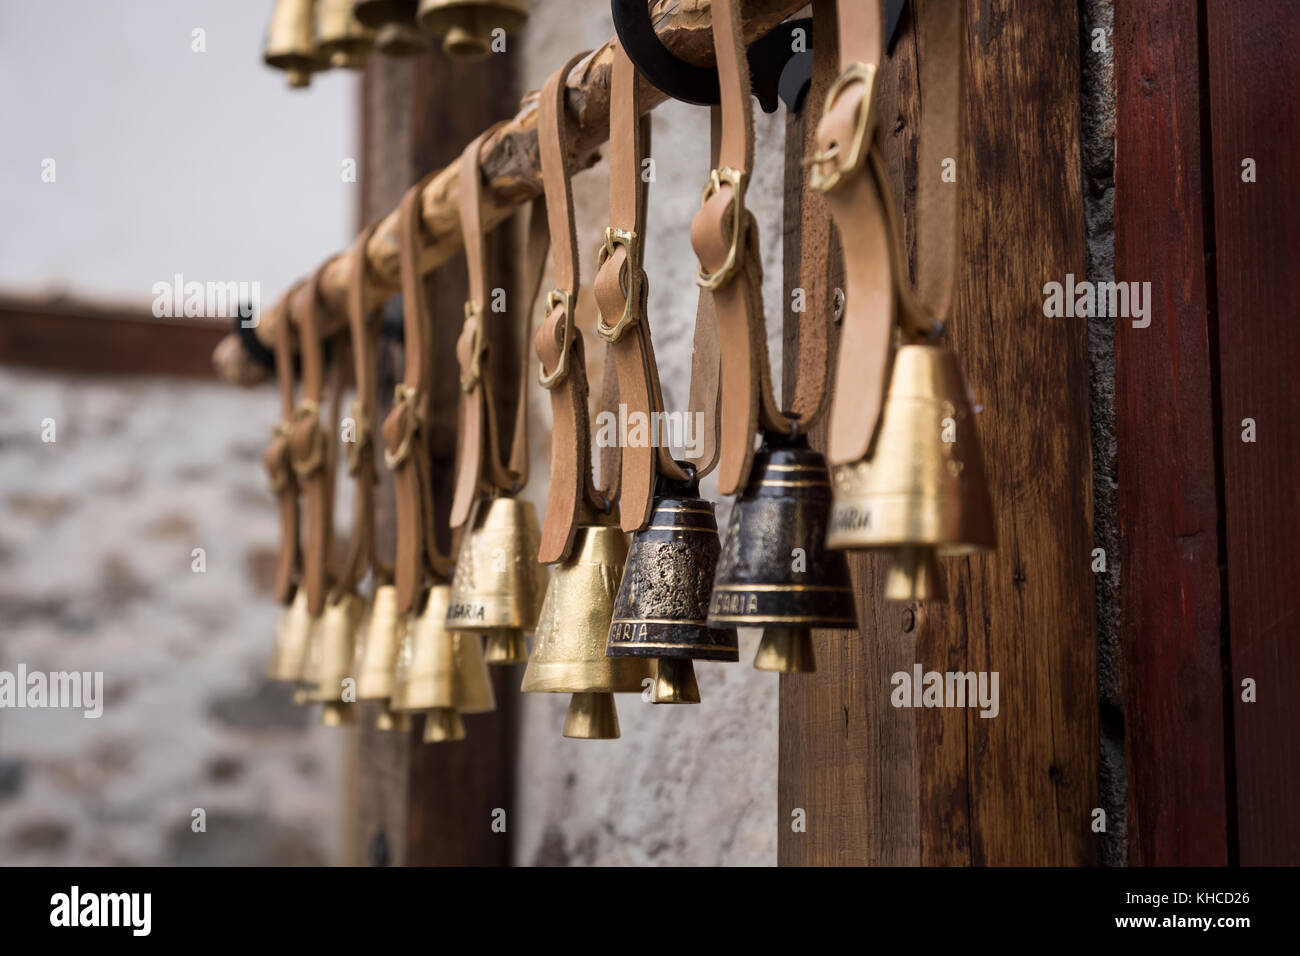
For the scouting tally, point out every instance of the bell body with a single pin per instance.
(377, 13)
(467, 25)
(498, 586)
(663, 601)
(340, 36)
(291, 41)
(439, 669)
(775, 570)
(334, 649)
(573, 628)
(377, 652)
(293, 641)
(922, 484)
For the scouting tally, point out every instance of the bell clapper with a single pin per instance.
(786, 650)
(505, 646)
(591, 716)
(443, 724)
(675, 682)
(914, 575)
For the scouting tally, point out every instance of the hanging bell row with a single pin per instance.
(308, 36)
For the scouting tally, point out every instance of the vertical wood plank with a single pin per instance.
(1169, 586)
(1254, 87)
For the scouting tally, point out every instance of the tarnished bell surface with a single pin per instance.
(923, 483)
(499, 585)
(467, 25)
(294, 641)
(340, 36)
(774, 569)
(291, 41)
(377, 13)
(569, 648)
(377, 652)
(663, 601)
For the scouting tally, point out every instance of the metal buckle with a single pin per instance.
(308, 409)
(629, 281)
(470, 377)
(404, 397)
(735, 178)
(864, 73)
(553, 298)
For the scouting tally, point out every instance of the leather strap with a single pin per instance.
(308, 444)
(621, 292)
(479, 464)
(405, 430)
(706, 371)
(848, 168)
(364, 338)
(276, 460)
(572, 495)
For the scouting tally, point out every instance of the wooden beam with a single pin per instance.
(1254, 87)
(62, 335)
(511, 165)
(1169, 588)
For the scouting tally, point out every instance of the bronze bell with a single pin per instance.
(376, 661)
(333, 659)
(293, 641)
(377, 13)
(340, 36)
(498, 586)
(663, 601)
(291, 41)
(466, 25)
(775, 571)
(921, 490)
(572, 630)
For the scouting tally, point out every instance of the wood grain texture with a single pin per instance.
(1169, 587)
(1254, 89)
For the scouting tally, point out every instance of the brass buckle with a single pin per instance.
(308, 409)
(735, 178)
(629, 282)
(404, 398)
(553, 298)
(470, 377)
(864, 73)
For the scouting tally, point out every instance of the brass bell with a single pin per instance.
(466, 25)
(293, 640)
(663, 601)
(572, 630)
(377, 13)
(775, 571)
(376, 661)
(398, 39)
(340, 36)
(291, 41)
(498, 586)
(333, 662)
(921, 489)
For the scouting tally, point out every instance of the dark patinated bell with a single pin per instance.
(775, 571)
(663, 602)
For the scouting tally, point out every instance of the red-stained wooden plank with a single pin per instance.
(1254, 86)
(1170, 591)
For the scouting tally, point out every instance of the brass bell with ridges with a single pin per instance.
(291, 41)
(340, 37)
(466, 26)
(921, 490)
(293, 641)
(498, 585)
(572, 631)
(775, 571)
(425, 675)
(335, 660)
(663, 601)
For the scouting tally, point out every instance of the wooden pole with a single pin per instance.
(512, 166)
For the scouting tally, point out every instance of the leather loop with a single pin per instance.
(279, 471)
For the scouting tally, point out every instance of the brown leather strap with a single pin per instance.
(572, 493)
(308, 443)
(706, 371)
(725, 237)
(279, 471)
(850, 171)
(364, 337)
(405, 430)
